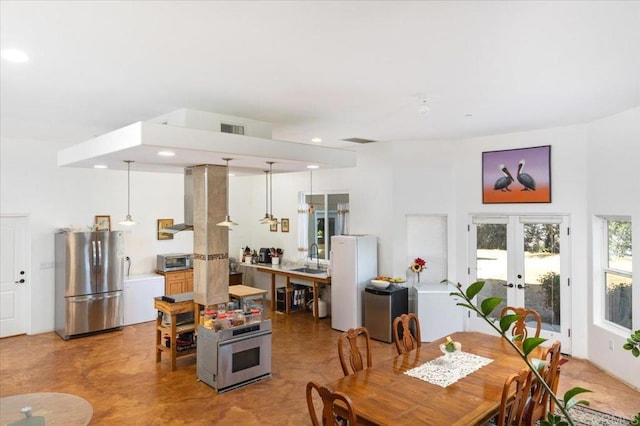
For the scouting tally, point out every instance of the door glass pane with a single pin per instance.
(542, 272)
(491, 262)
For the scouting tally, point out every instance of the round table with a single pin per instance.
(56, 408)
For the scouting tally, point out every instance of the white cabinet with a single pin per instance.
(437, 311)
(139, 291)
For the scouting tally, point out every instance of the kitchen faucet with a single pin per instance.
(317, 255)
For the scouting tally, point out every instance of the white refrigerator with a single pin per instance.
(354, 262)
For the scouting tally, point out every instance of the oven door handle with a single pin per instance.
(244, 337)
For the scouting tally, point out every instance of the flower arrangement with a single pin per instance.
(418, 266)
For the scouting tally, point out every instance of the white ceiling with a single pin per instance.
(331, 69)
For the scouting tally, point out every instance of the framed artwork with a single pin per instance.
(103, 223)
(284, 225)
(517, 175)
(273, 227)
(164, 223)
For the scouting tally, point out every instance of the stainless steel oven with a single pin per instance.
(234, 357)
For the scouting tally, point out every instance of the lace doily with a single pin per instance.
(448, 369)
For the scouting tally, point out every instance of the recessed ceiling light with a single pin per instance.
(166, 153)
(316, 140)
(312, 166)
(14, 55)
(100, 166)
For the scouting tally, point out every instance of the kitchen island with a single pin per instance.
(288, 272)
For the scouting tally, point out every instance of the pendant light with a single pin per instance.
(272, 219)
(266, 217)
(227, 220)
(128, 221)
(310, 208)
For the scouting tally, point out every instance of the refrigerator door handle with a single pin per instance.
(83, 299)
(93, 249)
(111, 295)
(99, 252)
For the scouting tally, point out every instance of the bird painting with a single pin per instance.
(525, 179)
(502, 184)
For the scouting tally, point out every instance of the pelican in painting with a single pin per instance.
(503, 182)
(525, 179)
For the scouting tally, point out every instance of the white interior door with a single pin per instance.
(525, 261)
(13, 275)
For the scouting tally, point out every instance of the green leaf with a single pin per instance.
(507, 320)
(635, 352)
(474, 289)
(574, 402)
(531, 343)
(489, 304)
(571, 393)
(466, 305)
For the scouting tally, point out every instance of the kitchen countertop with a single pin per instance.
(288, 269)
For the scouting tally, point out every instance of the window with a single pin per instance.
(616, 271)
(329, 218)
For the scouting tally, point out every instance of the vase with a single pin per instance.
(418, 277)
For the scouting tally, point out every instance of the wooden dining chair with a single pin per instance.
(406, 341)
(515, 392)
(520, 327)
(336, 407)
(351, 359)
(539, 403)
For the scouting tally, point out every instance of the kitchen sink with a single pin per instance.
(309, 270)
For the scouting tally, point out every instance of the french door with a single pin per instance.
(525, 261)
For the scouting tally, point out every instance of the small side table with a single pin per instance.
(173, 309)
(242, 292)
(56, 408)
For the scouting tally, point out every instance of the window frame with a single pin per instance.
(602, 268)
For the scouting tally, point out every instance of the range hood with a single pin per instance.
(188, 205)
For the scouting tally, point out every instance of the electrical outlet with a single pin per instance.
(610, 344)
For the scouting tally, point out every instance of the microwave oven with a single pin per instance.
(173, 262)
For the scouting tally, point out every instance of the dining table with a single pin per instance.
(385, 394)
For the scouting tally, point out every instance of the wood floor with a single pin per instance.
(117, 373)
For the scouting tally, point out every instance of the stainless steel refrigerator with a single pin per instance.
(354, 263)
(89, 282)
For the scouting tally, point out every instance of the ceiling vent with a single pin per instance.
(232, 128)
(359, 140)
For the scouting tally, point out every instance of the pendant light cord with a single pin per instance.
(129, 188)
(271, 189)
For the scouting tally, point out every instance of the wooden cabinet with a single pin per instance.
(177, 281)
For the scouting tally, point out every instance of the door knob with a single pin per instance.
(521, 287)
(21, 281)
(510, 285)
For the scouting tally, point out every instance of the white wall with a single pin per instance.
(569, 196)
(613, 190)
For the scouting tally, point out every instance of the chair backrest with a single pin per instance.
(406, 341)
(520, 327)
(353, 361)
(515, 392)
(330, 402)
(539, 403)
